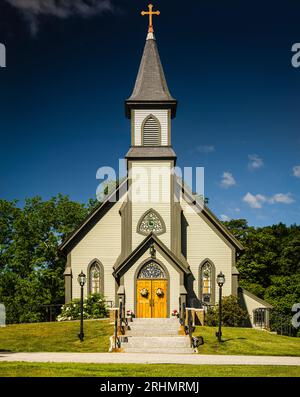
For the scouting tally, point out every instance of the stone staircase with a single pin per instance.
(155, 335)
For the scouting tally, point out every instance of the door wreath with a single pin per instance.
(159, 292)
(144, 292)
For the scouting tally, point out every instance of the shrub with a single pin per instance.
(93, 307)
(233, 315)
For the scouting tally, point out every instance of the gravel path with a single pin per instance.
(118, 358)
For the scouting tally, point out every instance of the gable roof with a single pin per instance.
(139, 250)
(203, 209)
(90, 221)
(255, 298)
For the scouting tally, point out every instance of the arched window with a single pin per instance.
(151, 222)
(207, 282)
(151, 131)
(152, 270)
(95, 278)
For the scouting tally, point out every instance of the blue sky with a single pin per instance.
(227, 63)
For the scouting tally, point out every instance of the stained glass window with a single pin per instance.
(151, 222)
(206, 278)
(95, 279)
(152, 270)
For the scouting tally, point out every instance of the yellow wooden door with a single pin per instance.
(143, 303)
(159, 298)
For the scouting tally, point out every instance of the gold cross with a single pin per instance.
(150, 13)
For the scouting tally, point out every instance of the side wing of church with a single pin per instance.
(152, 245)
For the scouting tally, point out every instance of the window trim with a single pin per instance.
(213, 281)
(142, 218)
(101, 269)
(159, 129)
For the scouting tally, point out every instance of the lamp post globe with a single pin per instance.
(81, 281)
(221, 279)
(220, 282)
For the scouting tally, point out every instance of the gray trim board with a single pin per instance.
(121, 268)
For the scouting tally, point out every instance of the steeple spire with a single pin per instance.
(151, 88)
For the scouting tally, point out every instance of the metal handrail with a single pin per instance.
(190, 327)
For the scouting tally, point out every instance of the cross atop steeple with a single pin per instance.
(150, 13)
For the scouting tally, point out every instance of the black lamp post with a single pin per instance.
(220, 281)
(81, 281)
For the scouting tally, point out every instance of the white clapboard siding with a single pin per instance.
(151, 188)
(162, 116)
(202, 243)
(102, 242)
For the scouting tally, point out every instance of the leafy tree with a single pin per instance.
(270, 265)
(31, 269)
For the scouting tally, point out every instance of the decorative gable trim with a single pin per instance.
(120, 267)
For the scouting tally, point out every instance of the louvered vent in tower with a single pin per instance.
(151, 132)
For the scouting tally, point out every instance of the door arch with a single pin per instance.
(152, 290)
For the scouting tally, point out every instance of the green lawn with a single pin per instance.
(63, 337)
(56, 337)
(144, 370)
(247, 341)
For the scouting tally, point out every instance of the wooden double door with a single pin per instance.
(152, 298)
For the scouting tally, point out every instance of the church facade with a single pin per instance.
(152, 244)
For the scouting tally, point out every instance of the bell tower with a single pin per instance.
(151, 158)
(151, 106)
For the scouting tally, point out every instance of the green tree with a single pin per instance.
(31, 269)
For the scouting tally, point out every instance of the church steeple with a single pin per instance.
(151, 89)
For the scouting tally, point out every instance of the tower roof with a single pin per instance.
(151, 86)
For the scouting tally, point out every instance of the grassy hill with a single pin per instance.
(247, 341)
(63, 337)
(56, 337)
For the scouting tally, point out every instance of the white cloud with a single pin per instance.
(257, 201)
(224, 218)
(282, 198)
(33, 9)
(228, 180)
(296, 171)
(254, 201)
(255, 162)
(206, 148)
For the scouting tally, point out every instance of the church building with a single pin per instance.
(152, 244)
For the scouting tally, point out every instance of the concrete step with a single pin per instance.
(159, 350)
(155, 320)
(146, 327)
(152, 332)
(156, 342)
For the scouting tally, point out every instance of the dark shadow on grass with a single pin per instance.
(227, 340)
